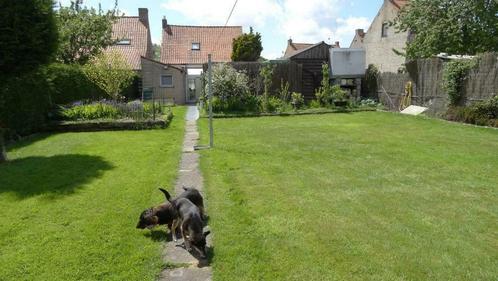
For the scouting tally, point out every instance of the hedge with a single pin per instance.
(69, 83)
(26, 101)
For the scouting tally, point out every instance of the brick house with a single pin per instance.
(133, 42)
(184, 50)
(380, 39)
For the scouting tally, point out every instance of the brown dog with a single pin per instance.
(165, 213)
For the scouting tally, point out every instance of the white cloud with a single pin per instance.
(346, 28)
(309, 21)
(215, 12)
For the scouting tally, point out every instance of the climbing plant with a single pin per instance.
(454, 74)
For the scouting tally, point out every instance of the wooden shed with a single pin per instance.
(311, 58)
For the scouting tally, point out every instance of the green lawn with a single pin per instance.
(69, 204)
(363, 196)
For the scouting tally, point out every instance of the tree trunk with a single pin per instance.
(3, 153)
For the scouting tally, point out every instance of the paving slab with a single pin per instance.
(187, 274)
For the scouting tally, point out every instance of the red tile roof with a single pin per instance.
(177, 42)
(140, 41)
(294, 48)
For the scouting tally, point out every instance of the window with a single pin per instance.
(124, 42)
(196, 46)
(385, 27)
(166, 81)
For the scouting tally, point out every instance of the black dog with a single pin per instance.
(165, 213)
(191, 224)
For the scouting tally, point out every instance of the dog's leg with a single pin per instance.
(173, 229)
(184, 228)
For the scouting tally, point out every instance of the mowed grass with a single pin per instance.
(363, 196)
(69, 204)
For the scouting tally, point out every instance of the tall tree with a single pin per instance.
(28, 39)
(247, 47)
(84, 32)
(449, 26)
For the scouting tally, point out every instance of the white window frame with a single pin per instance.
(198, 44)
(124, 42)
(165, 85)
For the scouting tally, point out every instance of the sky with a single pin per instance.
(304, 21)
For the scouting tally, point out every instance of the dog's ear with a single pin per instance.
(206, 233)
(184, 187)
(166, 193)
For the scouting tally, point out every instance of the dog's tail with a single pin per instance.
(166, 193)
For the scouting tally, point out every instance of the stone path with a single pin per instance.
(182, 265)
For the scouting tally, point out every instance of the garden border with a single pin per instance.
(308, 112)
(109, 125)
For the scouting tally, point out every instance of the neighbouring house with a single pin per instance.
(133, 42)
(311, 57)
(184, 50)
(380, 41)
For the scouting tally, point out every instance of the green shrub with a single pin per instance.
(112, 110)
(24, 103)
(297, 100)
(483, 113)
(274, 104)
(315, 104)
(69, 84)
(231, 91)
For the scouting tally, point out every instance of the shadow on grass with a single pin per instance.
(53, 176)
(158, 235)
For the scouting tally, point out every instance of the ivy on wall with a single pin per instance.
(454, 74)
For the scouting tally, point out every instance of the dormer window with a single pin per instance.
(196, 46)
(124, 42)
(385, 28)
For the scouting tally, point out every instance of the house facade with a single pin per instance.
(380, 39)
(184, 50)
(133, 42)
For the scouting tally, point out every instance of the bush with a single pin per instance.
(111, 110)
(24, 103)
(69, 84)
(297, 100)
(483, 113)
(231, 91)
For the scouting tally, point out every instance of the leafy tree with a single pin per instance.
(449, 26)
(110, 72)
(84, 32)
(28, 35)
(28, 39)
(247, 47)
(157, 51)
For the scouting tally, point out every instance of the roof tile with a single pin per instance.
(216, 40)
(140, 42)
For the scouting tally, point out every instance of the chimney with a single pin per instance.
(165, 22)
(143, 16)
(289, 42)
(337, 45)
(360, 32)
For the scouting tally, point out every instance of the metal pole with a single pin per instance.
(210, 95)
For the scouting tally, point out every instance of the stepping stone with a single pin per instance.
(187, 274)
